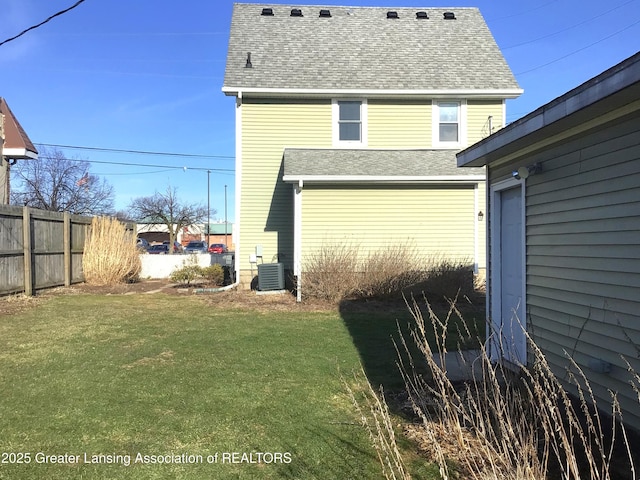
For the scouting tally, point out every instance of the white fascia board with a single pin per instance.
(19, 153)
(383, 179)
(336, 93)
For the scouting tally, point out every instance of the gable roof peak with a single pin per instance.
(320, 47)
(16, 141)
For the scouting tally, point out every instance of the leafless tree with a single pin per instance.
(57, 183)
(166, 209)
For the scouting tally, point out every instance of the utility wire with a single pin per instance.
(42, 23)
(579, 50)
(172, 167)
(608, 12)
(139, 152)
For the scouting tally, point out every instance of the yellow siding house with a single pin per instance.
(348, 120)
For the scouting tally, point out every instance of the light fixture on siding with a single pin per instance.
(480, 216)
(525, 172)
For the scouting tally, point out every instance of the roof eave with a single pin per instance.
(383, 179)
(19, 154)
(620, 84)
(509, 93)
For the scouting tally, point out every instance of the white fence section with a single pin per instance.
(161, 266)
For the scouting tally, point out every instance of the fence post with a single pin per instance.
(27, 251)
(67, 249)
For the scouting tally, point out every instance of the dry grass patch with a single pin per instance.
(500, 424)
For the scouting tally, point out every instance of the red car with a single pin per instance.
(217, 248)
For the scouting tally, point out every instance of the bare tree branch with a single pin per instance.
(166, 209)
(56, 183)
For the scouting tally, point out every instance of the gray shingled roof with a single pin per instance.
(327, 163)
(358, 48)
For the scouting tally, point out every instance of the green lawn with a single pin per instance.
(156, 375)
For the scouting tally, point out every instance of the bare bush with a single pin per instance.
(331, 272)
(110, 253)
(338, 271)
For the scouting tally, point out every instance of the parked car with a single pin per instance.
(196, 247)
(177, 247)
(217, 248)
(161, 249)
(142, 245)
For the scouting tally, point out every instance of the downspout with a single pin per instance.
(297, 238)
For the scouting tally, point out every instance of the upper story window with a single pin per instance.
(448, 124)
(350, 120)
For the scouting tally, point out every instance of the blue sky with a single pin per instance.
(146, 75)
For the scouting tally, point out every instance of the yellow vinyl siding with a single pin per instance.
(438, 219)
(408, 124)
(266, 202)
(478, 113)
(399, 124)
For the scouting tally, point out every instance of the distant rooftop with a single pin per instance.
(332, 48)
(16, 142)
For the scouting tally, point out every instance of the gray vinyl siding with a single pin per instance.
(583, 255)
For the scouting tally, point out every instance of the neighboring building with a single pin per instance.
(158, 233)
(14, 145)
(349, 118)
(564, 237)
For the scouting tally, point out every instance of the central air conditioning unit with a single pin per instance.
(270, 276)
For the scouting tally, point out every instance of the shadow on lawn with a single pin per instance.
(375, 325)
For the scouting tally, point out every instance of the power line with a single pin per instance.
(42, 23)
(147, 165)
(139, 152)
(578, 50)
(608, 12)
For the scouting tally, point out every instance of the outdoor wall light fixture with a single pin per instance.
(525, 172)
(480, 216)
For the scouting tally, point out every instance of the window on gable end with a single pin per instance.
(448, 124)
(349, 122)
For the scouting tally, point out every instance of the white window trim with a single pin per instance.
(335, 109)
(462, 125)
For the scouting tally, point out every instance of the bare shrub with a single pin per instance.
(338, 271)
(390, 270)
(110, 253)
(331, 272)
(502, 424)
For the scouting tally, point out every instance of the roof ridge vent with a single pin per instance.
(325, 13)
(296, 12)
(449, 16)
(267, 12)
(392, 14)
(421, 15)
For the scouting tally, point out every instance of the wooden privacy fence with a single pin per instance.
(40, 249)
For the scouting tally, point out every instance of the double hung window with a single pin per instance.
(349, 122)
(448, 124)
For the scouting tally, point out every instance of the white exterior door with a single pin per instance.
(507, 290)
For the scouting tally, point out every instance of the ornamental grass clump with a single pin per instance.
(110, 253)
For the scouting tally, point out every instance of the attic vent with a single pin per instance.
(296, 12)
(267, 12)
(422, 15)
(391, 14)
(325, 13)
(449, 16)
